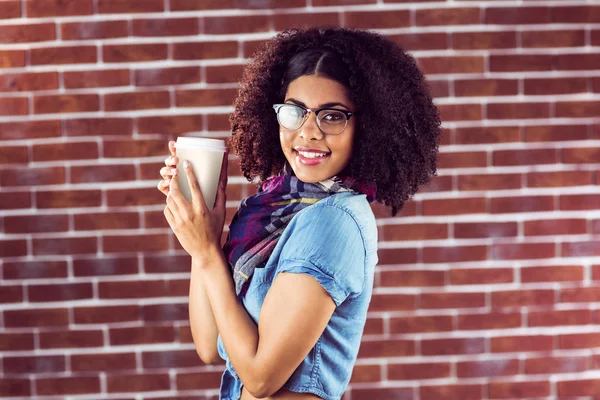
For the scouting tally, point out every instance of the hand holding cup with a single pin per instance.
(169, 170)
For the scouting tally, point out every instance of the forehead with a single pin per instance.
(314, 91)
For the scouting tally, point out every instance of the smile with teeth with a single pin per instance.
(306, 154)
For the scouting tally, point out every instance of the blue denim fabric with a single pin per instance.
(335, 241)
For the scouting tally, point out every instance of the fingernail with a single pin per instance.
(186, 164)
(173, 171)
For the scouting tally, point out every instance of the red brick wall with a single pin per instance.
(489, 282)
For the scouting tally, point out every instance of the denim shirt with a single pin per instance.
(335, 241)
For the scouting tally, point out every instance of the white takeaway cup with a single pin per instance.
(205, 157)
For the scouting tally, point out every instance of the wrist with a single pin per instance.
(209, 258)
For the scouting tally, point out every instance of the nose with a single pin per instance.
(310, 129)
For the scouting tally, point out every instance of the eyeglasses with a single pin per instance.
(331, 121)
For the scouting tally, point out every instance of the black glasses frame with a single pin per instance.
(305, 112)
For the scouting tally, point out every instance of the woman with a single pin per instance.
(326, 121)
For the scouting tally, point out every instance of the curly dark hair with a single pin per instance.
(397, 133)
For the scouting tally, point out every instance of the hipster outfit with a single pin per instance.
(326, 230)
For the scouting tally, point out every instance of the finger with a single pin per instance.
(171, 203)
(171, 161)
(163, 186)
(178, 198)
(197, 197)
(169, 216)
(221, 197)
(168, 172)
(172, 147)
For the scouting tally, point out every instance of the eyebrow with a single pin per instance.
(325, 105)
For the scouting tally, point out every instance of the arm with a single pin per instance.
(202, 321)
(294, 314)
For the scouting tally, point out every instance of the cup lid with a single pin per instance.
(189, 141)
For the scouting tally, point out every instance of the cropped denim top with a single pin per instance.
(335, 241)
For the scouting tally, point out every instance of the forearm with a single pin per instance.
(238, 331)
(202, 321)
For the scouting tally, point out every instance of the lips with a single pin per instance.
(310, 161)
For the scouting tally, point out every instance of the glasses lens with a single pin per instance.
(290, 116)
(332, 122)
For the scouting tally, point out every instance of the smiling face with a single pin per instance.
(314, 92)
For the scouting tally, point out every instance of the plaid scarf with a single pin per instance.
(261, 219)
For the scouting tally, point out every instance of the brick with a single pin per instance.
(65, 246)
(94, 30)
(170, 125)
(481, 135)
(13, 155)
(152, 242)
(522, 298)
(60, 292)
(387, 393)
(15, 387)
(165, 312)
(205, 97)
(548, 39)
(30, 130)
(448, 16)
(415, 232)
(67, 385)
(521, 204)
(556, 365)
(397, 256)
(218, 122)
(36, 223)
(578, 62)
(570, 14)
(486, 87)
(555, 227)
(412, 278)
(106, 221)
(66, 103)
(99, 127)
(579, 202)
(106, 266)
(167, 76)
(135, 148)
(178, 287)
(102, 173)
(28, 81)
(204, 50)
(366, 373)
(130, 6)
(453, 65)
(487, 368)
(559, 178)
(166, 27)
(559, 318)
(198, 380)
(581, 155)
(63, 55)
(188, 5)
(12, 58)
(68, 199)
(452, 300)
(485, 230)
(252, 46)
(521, 343)
(96, 79)
(477, 276)
(32, 176)
(484, 40)
(416, 371)
(51, 8)
(577, 109)
(171, 359)
(16, 341)
(518, 63)
(11, 294)
(15, 200)
(555, 133)
(521, 251)
(10, 9)
(32, 32)
(13, 248)
(524, 157)
(138, 197)
(456, 391)
(65, 151)
(136, 101)
(34, 270)
(377, 19)
(489, 182)
(138, 382)
(491, 320)
(454, 206)
(32, 318)
(551, 86)
(106, 314)
(131, 289)
(14, 106)
(71, 339)
(387, 348)
(134, 52)
(403, 325)
(579, 340)
(519, 389)
(103, 362)
(517, 15)
(452, 346)
(581, 249)
(282, 21)
(159, 264)
(580, 294)
(141, 335)
(518, 110)
(236, 24)
(34, 365)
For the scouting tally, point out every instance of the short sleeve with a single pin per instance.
(325, 241)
